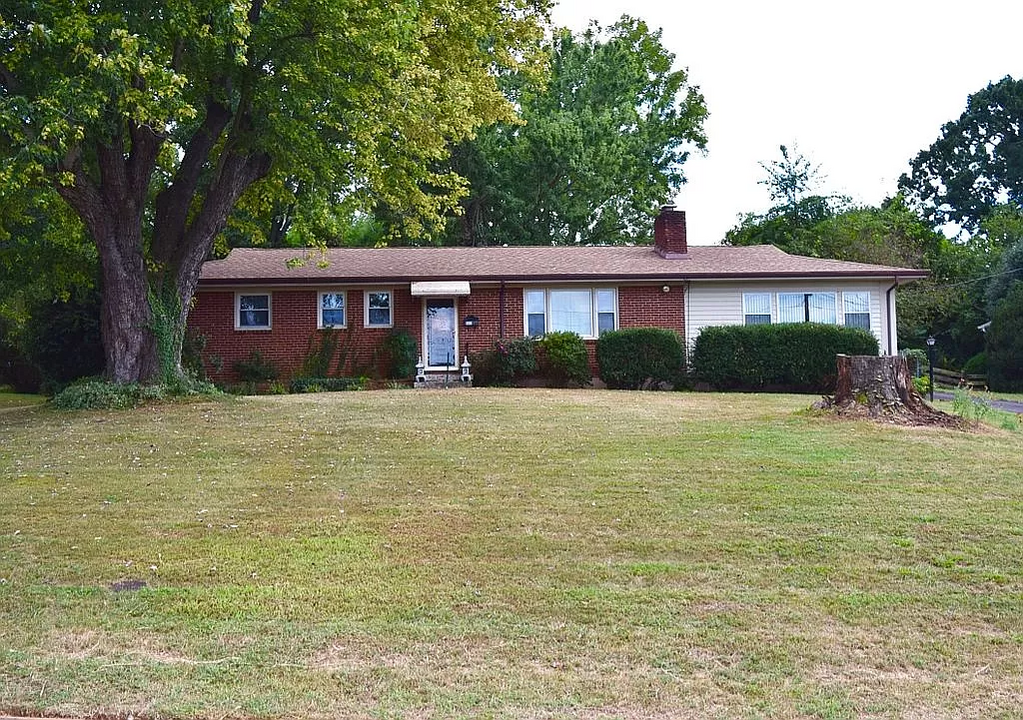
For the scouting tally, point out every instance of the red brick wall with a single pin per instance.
(294, 324)
(485, 303)
(650, 306)
(293, 321)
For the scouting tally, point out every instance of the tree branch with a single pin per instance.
(173, 202)
(145, 146)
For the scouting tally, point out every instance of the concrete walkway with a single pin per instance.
(1013, 406)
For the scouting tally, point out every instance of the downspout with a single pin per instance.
(500, 312)
(888, 311)
(686, 287)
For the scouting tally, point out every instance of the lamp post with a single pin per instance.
(930, 362)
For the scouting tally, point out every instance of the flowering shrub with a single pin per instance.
(509, 360)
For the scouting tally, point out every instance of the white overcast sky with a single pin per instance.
(860, 87)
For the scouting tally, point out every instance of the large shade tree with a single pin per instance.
(152, 120)
(603, 144)
(976, 164)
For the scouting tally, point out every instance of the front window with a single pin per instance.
(252, 311)
(536, 313)
(807, 307)
(378, 308)
(571, 311)
(584, 311)
(332, 310)
(756, 308)
(857, 309)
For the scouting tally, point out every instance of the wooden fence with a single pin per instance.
(955, 378)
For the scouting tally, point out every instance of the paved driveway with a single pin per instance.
(1013, 406)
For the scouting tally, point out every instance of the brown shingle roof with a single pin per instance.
(400, 265)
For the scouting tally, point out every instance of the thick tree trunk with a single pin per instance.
(882, 387)
(126, 321)
(138, 342)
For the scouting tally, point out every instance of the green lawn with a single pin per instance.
(507, 554)
(10, 400)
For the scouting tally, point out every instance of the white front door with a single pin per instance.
(440, 332)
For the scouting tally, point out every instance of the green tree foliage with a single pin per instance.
(790, 223)
(1005, 343)
(977, 161)
(154, 120)
(1004, 231)
(603, 143)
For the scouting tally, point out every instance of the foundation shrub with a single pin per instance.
(793, 357)
(640, 358)
(563, 360)
(510, 360)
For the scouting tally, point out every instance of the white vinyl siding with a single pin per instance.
(721, 303)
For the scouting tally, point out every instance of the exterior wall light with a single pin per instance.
(666, 289)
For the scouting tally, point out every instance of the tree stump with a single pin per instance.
(882, 387)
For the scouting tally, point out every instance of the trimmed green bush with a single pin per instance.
(509, 360)
(638, 358)
(563, 359)
(793, 357)
(326, 384)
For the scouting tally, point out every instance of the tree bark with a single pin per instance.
(882, 387)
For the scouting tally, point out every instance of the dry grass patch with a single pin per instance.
(507, 554)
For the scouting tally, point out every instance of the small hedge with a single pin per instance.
(638, 358)
(326, 384)
(509, 360)
(796, 357)
(563, 359)
(98, 394)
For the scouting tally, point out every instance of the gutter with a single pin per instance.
(552, 277)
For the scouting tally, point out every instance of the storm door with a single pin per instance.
(441, 329)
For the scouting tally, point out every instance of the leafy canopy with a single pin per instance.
(154, 121)
(359, 97)
(601, 145)
(976, 163)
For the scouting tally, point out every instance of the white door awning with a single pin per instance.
(440, 289)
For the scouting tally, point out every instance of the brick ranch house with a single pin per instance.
(458, 300)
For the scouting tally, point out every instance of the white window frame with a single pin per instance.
(319, 309)
(845, 309)
(365, 308)
(594, 314)
(238, 310)
(770, 308)
(803, 294)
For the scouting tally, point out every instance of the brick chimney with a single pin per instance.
(670, 233)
